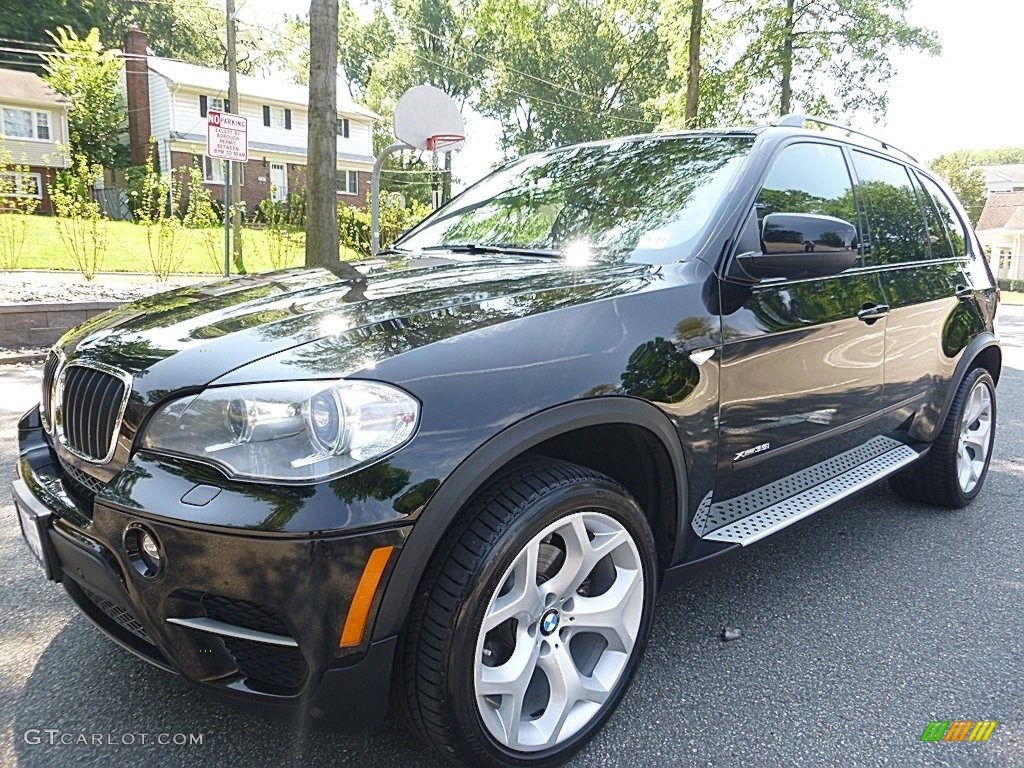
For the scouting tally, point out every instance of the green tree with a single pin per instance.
(87, 76)
(826, 57)
(964, 179)
(705, 84)
(183, 29)
(572, 71)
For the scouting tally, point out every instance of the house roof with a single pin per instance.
(1003, 210)
(16, 85)
(1013, 172)
(195, 76)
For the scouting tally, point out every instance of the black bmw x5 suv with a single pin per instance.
(462, 472)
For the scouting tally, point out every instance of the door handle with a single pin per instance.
(964, 292)
(871, 312)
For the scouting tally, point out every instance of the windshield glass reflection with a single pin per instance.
(648, 200)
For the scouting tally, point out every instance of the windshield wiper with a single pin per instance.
(485, 248)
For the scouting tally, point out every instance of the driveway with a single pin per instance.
(858, 628)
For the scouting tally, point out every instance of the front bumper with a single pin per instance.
(253, 619)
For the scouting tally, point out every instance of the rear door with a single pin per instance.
(798, 363)
(920, 260)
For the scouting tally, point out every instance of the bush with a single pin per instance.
(13, 210)
(354, 223)
(1012, 286)
(81, 225)
(284, 222)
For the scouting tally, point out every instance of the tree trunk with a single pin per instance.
(785, 103)
(321, 171)
(693, 71)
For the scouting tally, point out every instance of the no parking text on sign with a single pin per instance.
(227, 136)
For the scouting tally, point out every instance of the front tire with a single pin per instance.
(954, 470)
(531, 618)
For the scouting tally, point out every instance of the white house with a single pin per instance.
(34, 131)
(1001, 230)
(1003, 178)
(169, 100)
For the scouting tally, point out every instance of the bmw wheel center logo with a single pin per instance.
(549, 621)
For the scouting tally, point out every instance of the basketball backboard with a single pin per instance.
(426, 118)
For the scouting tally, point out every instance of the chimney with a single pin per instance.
(136, 77)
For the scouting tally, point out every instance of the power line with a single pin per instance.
(537, 78)
(620, 118)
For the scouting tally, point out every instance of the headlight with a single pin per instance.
(303, 430)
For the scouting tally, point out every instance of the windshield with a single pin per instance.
(647, 200)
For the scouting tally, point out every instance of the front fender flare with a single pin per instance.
(442, 507)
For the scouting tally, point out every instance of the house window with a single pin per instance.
(277, 117)
(25, 124)
(348, 182)
(213, 171)
(216, 103)
(21, 185)
(343, 127)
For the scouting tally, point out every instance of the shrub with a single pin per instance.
(283, 222)
(354, 224)
(81, 225)
(1012, 286)
(13, 210)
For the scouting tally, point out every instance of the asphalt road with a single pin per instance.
(858, 629)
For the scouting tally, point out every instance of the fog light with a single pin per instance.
(143, 550)
(149, 548)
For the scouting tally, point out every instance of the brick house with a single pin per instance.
(34, 129)
(169, 101)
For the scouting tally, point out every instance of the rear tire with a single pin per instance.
(505, 605)
(954, 470)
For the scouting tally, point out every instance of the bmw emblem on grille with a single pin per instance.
(549, 622)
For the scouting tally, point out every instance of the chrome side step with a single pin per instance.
(765, 510)
(215, 627)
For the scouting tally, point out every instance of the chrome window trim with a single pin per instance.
(57, 398)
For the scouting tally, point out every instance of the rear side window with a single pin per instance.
(948, 235)
(807, 178)
(896, 230)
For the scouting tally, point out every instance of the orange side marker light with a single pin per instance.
(355, 622)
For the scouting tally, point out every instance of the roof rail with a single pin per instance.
(797, 121)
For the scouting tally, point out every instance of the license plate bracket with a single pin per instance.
(34, 520)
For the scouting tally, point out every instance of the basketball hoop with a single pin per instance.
(444, 142)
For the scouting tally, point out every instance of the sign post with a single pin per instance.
(227, 139)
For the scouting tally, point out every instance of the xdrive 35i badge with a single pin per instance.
(751, 451)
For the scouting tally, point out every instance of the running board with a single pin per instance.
(764, 511)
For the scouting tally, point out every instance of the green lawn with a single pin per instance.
(1009, 297)
(127, 250)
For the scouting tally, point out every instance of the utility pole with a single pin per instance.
(321, 170)
(234, 173)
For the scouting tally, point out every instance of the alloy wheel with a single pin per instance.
(558, 632)
(975, 440)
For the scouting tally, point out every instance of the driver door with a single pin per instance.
(802, 361)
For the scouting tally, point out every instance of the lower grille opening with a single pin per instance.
(122, 616)
(269, 668)
(82, 486)
(274, 669)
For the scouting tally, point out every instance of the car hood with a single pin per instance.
(190, 337)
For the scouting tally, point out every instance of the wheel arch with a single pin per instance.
(551, 433)
(984, 351)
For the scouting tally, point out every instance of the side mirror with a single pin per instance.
(800, 245)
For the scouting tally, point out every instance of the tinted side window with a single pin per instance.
(806, 179)
(896, 231)
(942, 211)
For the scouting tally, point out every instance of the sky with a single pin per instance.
(969, 96)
